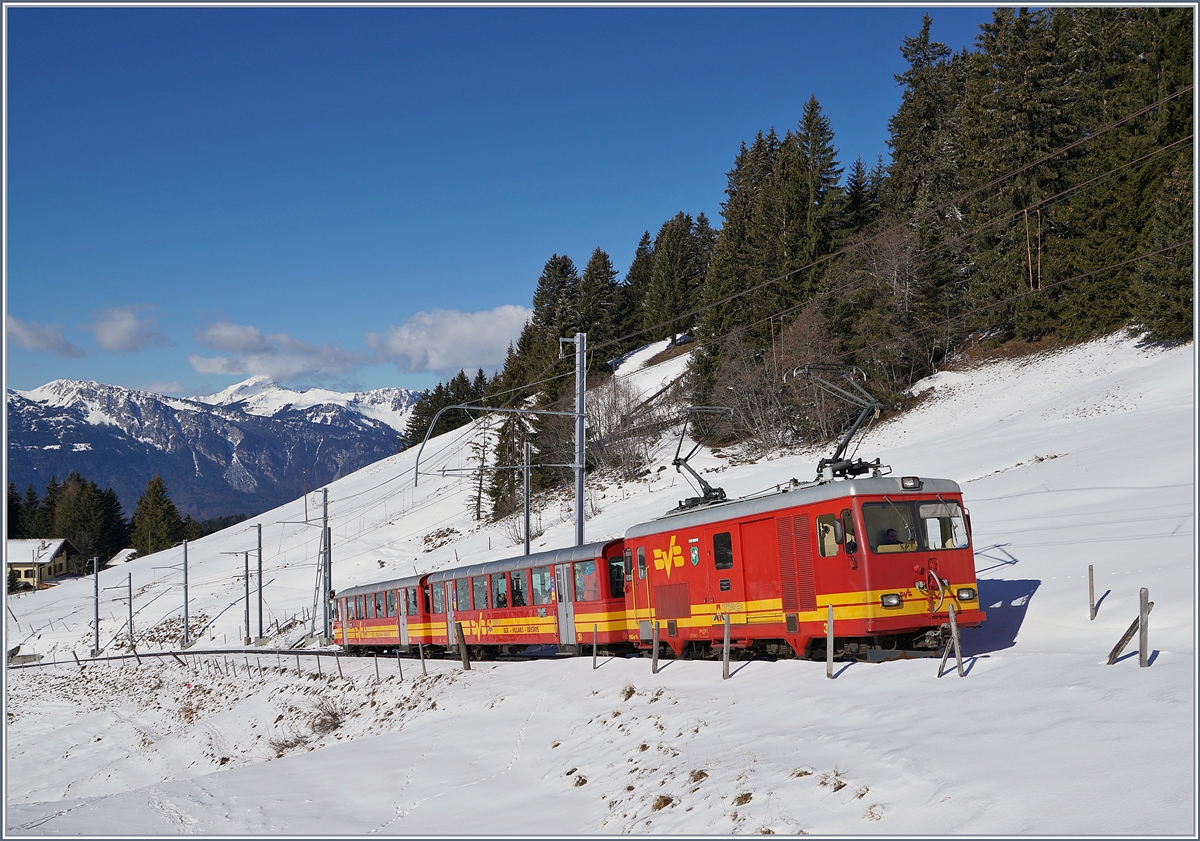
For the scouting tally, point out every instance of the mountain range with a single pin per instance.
(243, 450)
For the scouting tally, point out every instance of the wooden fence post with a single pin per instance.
(654, 656)
(829, 644)
(595, 633)
(1128, 635)
(462, 647)
(1143, 627)
(1091, 595)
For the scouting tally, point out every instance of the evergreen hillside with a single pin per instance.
(1038, 188)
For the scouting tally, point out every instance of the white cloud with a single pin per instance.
(443, 341)
(277, 355)
(43, 338)
(119, 329)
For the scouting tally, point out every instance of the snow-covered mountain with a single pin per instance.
(261, 396)
(244, 450)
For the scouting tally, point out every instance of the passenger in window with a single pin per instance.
(891, 536)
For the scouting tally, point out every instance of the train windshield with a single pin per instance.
(914, 525)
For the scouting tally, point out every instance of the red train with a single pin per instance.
(889, 554)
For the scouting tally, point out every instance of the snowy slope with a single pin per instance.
(1081, 456)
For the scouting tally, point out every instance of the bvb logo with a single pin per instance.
(673, 557)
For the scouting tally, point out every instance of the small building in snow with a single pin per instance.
(38, 561)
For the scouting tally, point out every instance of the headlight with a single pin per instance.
(890, 599)
(910, 483)
(966, 594)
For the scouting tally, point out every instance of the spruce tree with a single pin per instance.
(29, 509)
(13, 528)
(596, 303)
(674, 278)
(631, 294)
(156, 521)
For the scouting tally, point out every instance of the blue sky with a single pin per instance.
(361, 197)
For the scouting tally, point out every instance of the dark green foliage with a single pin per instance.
(674, 278)
(459, 391)
(77, 510)
(13, 523)
(156, 521)
(631, 296)
(1162, 290)
(596, 304)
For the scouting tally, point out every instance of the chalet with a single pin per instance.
(37, 561)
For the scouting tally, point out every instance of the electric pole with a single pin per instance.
(260, 585)
(186, 638)
(580, 342)
(96, 573)
(327, 562)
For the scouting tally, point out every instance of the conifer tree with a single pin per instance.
(555, 297)
(14, 514)
(596, 304)
(156, 521)
(631, 294)
(43, 522)
(675, 276)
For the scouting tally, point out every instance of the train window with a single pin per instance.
(889, 527)
(826, 535)
(723, 550)
(520, 586)
(480, 585)
(425, 593)
(410, 596)
(334, 609)
(641, 553)
(380, 609)
(499, 589)
(391, 602)
(439, 599)
(587, 584)
(943, 525)
(616, 577)
(370, 602)
(462, 594)
(848, 539)
(360, 612)
(543, 585)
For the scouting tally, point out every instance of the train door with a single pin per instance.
(401, 615)
(451, 603)
(566, 608)
(345, 617)
(726, 583)
(760, 562)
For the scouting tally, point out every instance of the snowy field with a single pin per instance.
(1083, 455)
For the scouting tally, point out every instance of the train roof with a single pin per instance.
(394, 584)
(537, 559)
(788, 497)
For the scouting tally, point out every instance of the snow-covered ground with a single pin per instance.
(1079, 456)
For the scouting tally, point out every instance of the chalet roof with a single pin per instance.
(23, 551)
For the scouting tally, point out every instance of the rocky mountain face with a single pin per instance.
(248, 449)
